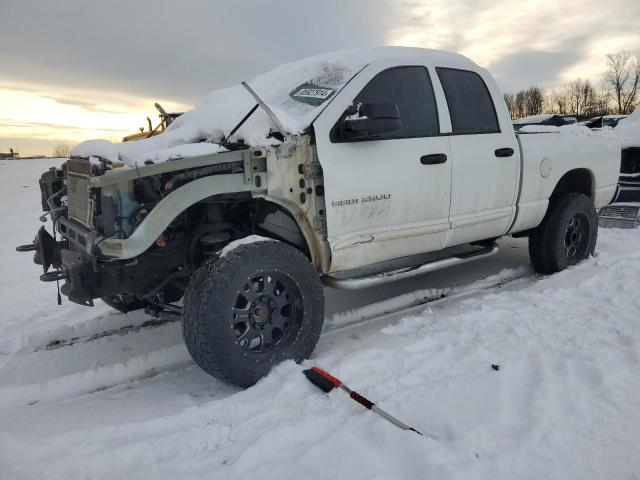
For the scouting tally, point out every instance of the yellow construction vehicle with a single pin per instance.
(165, 121)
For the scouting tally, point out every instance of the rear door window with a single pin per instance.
(470, 104)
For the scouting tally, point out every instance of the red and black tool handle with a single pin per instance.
(327, 382)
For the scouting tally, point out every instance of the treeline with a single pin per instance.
(619, 93)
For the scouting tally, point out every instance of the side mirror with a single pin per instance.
(370, 120)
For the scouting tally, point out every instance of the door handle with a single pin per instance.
(433, 159)
(504, 152)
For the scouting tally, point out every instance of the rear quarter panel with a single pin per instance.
(547, 157)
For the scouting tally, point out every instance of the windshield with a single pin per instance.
(299, 91)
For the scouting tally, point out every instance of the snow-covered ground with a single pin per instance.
(89, 393)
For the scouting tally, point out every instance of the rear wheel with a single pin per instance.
(566, 236)
(257, 306)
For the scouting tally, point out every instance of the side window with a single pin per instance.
(411, 90)
(470, 104)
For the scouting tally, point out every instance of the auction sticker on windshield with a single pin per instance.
(311, 94)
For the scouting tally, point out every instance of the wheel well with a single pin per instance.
(226, 218)
(274, 221)
(196, 234)
(579, 180)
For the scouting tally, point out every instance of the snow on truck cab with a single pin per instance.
(349, 169)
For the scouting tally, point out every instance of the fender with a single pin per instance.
(318, 249)
(171, 206)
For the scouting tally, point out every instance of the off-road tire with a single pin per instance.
(211, 306)
(551, 244)
(125, 303)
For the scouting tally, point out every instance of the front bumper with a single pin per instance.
(75, 268)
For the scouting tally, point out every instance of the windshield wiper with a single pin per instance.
(244, 119)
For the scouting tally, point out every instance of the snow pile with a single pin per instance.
(563, 403)
(569, 130)
(628, 130)
(181, 151)
(533, 119)
(231, 246)
(538, 129)
(214, 118)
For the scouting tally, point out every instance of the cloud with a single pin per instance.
(176, 50)
(525, 68)
(119, 56)
(525, 42)
(181, 51)
(40, 125)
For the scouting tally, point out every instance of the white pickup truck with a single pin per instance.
(350, 170)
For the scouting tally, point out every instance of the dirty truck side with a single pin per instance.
(411, 166)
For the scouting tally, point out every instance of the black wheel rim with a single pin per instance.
(576, 238)
(267, 313)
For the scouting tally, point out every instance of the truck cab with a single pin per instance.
(424, 186)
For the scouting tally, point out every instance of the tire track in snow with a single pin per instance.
(83, 365)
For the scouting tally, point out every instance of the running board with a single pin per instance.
(402, 273)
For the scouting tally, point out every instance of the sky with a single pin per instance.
(72, 70)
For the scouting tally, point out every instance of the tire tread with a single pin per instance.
(543, 250)
(201, 297)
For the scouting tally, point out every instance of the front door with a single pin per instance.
(386, 197)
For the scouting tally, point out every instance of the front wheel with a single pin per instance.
(260, 304)
(566, 236)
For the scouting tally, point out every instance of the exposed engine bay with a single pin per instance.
(92, 204)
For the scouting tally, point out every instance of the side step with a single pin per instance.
(408, 272)
(620, 215)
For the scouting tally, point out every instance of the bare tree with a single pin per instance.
(581, 97)
(577, 97)
(510, 100)
(520, 103)
(525, 102)
(558, 101)
(62, 149)
(601, 105)
(620, 93)
(534, 101)
(622, 80)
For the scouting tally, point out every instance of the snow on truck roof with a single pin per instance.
(296, 92)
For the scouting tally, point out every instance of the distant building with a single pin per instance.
(9, 156)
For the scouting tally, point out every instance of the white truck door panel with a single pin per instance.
(485, 159)
(386, 198)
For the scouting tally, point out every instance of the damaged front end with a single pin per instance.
(135, 236)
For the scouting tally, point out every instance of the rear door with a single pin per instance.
(485, 158)
(386, 197)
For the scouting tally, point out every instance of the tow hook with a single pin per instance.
(54, 276)
(29, 247)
